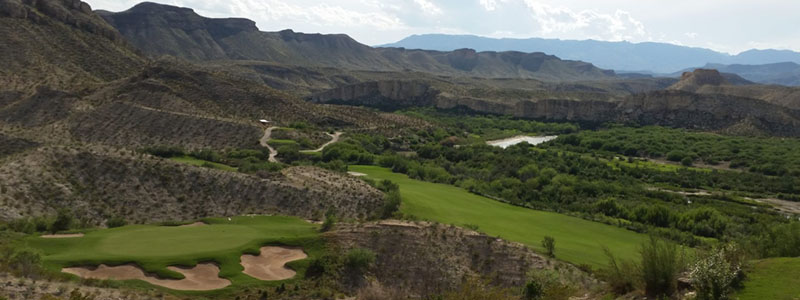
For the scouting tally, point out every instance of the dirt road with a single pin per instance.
(265, 143)
(334, 138)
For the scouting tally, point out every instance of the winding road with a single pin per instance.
(273, 153)
(334, 138)
(265, 143)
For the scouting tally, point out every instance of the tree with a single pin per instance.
(549, 244)
(687, 161)
(63, 221)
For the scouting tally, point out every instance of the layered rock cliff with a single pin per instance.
(674, 108)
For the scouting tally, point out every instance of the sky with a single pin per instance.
(729, 26)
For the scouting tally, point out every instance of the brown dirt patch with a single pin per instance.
(62, 236)
(271, 263)
(203, 277)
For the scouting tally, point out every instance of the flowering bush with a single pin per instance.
(714, 276)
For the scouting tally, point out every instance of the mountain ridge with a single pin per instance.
(169, 30)
(649, 56)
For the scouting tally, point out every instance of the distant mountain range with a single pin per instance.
(620, 56)
(168, 30)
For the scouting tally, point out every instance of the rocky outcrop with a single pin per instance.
(423, 259)
(674, 108)
(700, 78)
(71, 12)
(169, 30)
(713, 111)
(388, 95)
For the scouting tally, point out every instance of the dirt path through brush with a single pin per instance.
(203, 277)
(265, 143)
(271, 263)
(334, 138)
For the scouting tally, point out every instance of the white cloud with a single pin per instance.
(563, 22)
(428, 7)
(692, 35)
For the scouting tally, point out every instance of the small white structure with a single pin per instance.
(264, 122)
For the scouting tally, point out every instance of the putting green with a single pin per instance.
(577, 240)
(154, 248)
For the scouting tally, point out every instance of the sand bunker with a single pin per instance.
(62, 236)
(203, 277)
(270, 265)
(195, 224)
(356, 174)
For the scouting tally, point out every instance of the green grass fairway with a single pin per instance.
(156, 247)
(577, 240)
(775, 279)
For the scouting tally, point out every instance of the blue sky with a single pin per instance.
(723, 25)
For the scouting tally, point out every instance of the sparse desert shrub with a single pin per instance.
(480, 289)
(328, 223)
(620, 275)
(391, 204)
(661, 263)
(549, 244)
(533, 291)
(164, 151)
(116, 221)
(359, 260)
(714, 276)
(24, 263)
(552, 285)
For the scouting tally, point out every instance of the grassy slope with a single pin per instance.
(577, 241)
(156, 247)
(776, 278)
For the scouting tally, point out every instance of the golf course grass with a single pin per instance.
(154, 248)
(775, 278)
(577, 240)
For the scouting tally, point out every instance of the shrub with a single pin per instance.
(391, 204)
(676, 155)
(359, 260)
(714, 276)
(620, 275)
(660, 266)
(165, 151)
(533, 290)
(117, 221)
(479, 289)
(549, 244)
(552, 286)
(687, 161)
(328, 223)
(25, 263)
